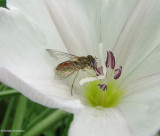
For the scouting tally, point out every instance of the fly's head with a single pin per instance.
(92, 60)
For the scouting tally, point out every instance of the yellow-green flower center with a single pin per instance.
(97, 97)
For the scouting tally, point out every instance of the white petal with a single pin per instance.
(144, 67)
(138, 50)
(142, 84)
(26, 66)
(76, 21)
(138, 46)
(141, 106)
(36, 11)
(114, 16)
(99, 122)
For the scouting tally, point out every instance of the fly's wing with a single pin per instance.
(61, 56)
(60, 75)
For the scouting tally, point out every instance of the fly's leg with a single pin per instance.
(74, 81)
(89, 73)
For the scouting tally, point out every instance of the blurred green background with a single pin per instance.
(19, 113)
(2, 3)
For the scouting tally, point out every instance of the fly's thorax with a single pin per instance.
(83, 61)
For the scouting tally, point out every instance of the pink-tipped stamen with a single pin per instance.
(99, 71)
(117, 72)
(110, 62)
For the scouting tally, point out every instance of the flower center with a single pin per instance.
(105, 98)
(103, 89)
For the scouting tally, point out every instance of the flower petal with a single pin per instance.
(149, 81)
(141, 106)
(26, 66)
(114, 16)
(139, 39)
(149, 65)
(36, 11)
(76, 21)
(138, 49)
(99, 122)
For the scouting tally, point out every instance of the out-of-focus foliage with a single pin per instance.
(2, 3)
(19, 113)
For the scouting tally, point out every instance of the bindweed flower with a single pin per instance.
(124, 97)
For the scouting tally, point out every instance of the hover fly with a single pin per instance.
(71, 65)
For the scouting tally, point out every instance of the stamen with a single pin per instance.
(99, 71)
(110, 62)
(102, 86)
(117, 72)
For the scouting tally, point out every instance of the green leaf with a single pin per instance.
(46, 123)
(3, 87)
(19, 115)
(3, 3)
(29, 114)
(7, 93)
(39, 117)
(68, 122)
(7, 115)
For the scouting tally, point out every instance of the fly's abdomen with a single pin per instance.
(67, 66)
(66, 69)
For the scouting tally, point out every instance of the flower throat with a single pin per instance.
(103, 91)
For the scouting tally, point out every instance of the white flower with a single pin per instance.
(130, 29)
